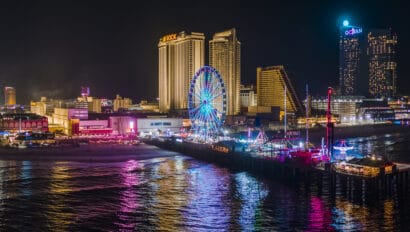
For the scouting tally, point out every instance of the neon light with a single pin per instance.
(353, 31)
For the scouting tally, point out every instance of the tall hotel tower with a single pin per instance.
(9, 96)
(381, 51)
(225, 56)
(349, 58)
(180, 56)
(271, 83)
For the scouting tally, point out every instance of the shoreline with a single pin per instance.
(119, 153)
(87, 153)
(316, 134)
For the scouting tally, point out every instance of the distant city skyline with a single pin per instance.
(50, 48)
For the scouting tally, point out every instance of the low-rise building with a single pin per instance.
(121, 103)
(21, 122)
(248, 96)
(346, 107)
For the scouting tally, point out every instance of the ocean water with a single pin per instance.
(179, 193)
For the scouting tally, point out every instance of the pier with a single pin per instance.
(294, 170)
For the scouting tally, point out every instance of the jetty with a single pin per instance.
(285, 169)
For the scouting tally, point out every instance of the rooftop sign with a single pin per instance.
(353, 31)
(169, 37)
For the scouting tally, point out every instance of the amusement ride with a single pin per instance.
(207, 103)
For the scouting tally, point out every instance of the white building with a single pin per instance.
(155, 125)
(248, 96)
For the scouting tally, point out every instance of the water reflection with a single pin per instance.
(59, 215)
(183, 194)
(208, 205)
(348, 217)
(169, 194)
(128, 198)
(25, 177)
(319, 215)
(388, 215)
(251, 195)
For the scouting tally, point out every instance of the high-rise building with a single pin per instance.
(381, 51)
(225, 56)
(180, 56)
(248, 96)
(9, 96)
(350, 44)
(270, 86)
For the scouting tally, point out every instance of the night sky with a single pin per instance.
(51, 48)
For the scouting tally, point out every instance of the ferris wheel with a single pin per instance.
(207, 102)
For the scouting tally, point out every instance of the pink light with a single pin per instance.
(319, 216)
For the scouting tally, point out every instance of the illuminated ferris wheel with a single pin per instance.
(207, 102)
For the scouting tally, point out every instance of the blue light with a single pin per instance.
(345, 23)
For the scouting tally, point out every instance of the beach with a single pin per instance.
(86, 153)
(120, 152)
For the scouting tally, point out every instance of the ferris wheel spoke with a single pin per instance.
(219, 112)
(200, 117)
(197, 96)
(217, 86)
(216, 96)
(214, 117)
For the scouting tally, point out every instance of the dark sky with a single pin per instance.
(53, 47)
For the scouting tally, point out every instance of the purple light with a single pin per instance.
(353, 31)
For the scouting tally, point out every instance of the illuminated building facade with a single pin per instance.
(270, 86)
(248, 95)
(23, 122)
(377, 110)
(39, 108)
(349, 58)
(69, 119)
(121, 103)
(95, 105)
(180, 56)
(9, 96)
(381, 51)
(225, 56)
(346, 107)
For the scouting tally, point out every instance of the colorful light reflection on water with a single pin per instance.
(182, 194)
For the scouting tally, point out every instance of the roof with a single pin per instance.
(369, 162)
(23, 116)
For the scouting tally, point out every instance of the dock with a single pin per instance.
(270, 168)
